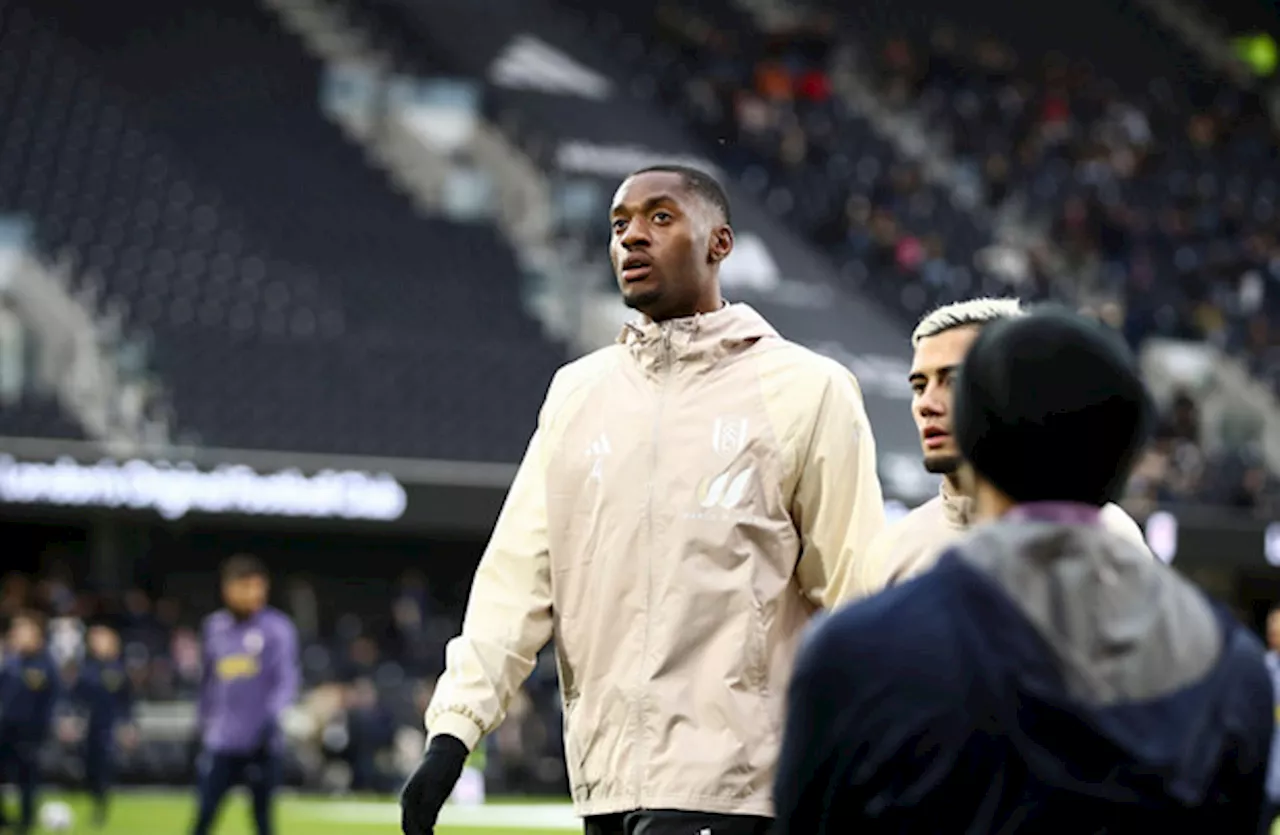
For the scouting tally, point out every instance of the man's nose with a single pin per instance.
(636, 235)
(930, 403)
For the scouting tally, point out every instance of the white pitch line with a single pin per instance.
(552, 817)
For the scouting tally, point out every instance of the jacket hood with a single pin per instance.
(703, 338)
(1137, 690)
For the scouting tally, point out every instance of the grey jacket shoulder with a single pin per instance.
(1125, 627)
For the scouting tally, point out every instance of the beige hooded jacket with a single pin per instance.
(679, 515)
(912, 544)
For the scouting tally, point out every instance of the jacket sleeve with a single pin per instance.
(508, 617)
(805, 776)
(866, 575)
(128, 704)
(1250, 716)
(207, 676)
(49, 698)
(284, 667)
(838, 507)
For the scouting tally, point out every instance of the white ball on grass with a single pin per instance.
(56, 816)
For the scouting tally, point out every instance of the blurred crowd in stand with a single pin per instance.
(1162, 220)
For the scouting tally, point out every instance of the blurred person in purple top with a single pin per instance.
(249, 676)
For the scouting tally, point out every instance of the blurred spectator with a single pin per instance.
(370, 730)
(1182, 423)
(303, 608)
(362, 659)
(14, 595)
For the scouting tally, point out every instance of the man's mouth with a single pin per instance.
(636, 268)
(935, 438)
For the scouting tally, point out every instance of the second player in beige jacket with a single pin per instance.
(912, 544)
(679, 515)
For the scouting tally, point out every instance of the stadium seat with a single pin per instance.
(295, 301)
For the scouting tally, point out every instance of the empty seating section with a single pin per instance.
(295, 300)
(38, 417)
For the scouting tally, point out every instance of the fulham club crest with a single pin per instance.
(729, 436)
(253, 642)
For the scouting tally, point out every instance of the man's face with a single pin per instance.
(666, 244)
(1273, 630)
(104, 643)
(245, 595)
(933, 369)
(24, 636)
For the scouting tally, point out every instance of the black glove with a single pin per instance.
(431, 784)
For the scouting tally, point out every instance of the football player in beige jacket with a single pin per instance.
(913, 543)
(678, 517)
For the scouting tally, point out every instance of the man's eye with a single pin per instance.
(619, 225)
(662, 217)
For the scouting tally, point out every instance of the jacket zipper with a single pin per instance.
(642, 760)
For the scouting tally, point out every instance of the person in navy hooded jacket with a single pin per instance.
(29, 690)
(1046, 676)
(103, 688)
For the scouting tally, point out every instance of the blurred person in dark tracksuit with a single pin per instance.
(250, 675)
(1273, 667)
(103, 687)
(29, 690)
(370, 729)
(1047, 675)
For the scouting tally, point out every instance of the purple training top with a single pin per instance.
(250, 675)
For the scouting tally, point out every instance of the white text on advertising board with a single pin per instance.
(173, 490)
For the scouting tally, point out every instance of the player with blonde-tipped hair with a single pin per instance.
(913, 543)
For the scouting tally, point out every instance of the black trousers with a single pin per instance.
(99, 765)
(218, 773)
(670, 822)
(19, 764)
(99, 772)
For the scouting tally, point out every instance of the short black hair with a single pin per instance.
(699, 182)
(242, 566)
(1051, 407)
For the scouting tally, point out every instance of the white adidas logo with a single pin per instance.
(596, 451)
(600, 446)
(528, 63)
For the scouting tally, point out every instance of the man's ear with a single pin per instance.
(721, 244)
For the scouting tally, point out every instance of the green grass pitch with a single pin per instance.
(170, 814)
(134, 813)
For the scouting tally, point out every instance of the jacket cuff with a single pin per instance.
(456, 725)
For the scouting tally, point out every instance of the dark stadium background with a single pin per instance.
(351, 241)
